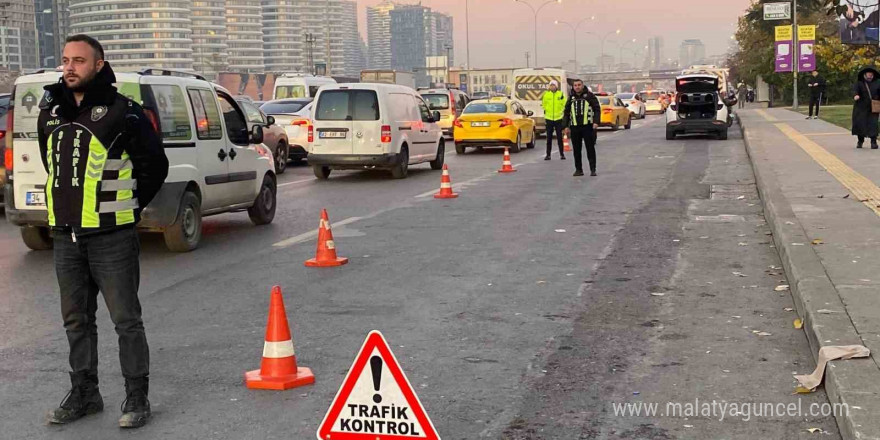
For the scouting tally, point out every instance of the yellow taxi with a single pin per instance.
(494, 122)
(614, 112)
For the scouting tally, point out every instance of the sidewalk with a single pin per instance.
(822, 200)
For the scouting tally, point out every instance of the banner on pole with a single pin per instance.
(784, 54)
(806, 43)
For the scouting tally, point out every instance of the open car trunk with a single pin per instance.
(697, 96)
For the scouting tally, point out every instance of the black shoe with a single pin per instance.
(136, 407)
(546, 157)
(561, 157)
(859, 145)
(873, 146)
(82, 399)
(578, 173)
(593, 173)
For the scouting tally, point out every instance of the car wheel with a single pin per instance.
(322, 173)
(518, 145)
(402, 168)
(282, 153)
(263, 210)
(629, 123)
(531, 144)
(437, 163)
(186, 231)
(36, 238)
(722, 135)
(616, 125)
(643, 115)
(459, 149)
(670, 135)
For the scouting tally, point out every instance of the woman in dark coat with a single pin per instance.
(864, 122)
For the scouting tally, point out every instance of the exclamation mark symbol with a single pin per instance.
(376, 367)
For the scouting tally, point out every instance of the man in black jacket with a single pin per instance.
(817, 90)
(582, 113)
(105, 163)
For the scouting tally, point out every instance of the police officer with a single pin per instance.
(581, 119)
(553, 102)
(105, 163)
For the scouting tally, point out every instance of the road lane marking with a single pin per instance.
(766, 115)
(862, 188)
(313, 234)
(296, 181)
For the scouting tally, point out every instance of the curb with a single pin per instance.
(846, 382)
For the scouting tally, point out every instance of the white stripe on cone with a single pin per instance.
(445, 185)
(330, 244)
(277, 350)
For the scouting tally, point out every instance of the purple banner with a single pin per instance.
(783, 56)
(806, 56)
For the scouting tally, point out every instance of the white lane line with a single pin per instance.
(312, 234)
(295, 182)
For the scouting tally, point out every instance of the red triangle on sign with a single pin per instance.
(376, 400)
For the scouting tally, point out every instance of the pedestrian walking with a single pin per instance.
(742, 95)
(553, 102)
(817, 90)
(105, 163)
(866, 107)
(582, 112)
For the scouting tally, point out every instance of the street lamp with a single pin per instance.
(574, 28)
(602, 38)
(536, 11)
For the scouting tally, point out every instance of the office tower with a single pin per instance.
(353, 59)
(412, 29)
(691, 52)
(210, 50)
(445, 43)
(654, 59)
(19, 46)
(244, 35)
(379, 35)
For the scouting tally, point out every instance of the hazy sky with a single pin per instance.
(502, 30)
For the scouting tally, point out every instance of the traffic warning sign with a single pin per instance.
(376, 401)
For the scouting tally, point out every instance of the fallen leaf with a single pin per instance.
(814, 430)
(743, 243)
(817, 241)
(781, 287)
(741, 235)
(764, 334)
(725, 371)
(541, 282)
(788, 309)
(688, 426)
(657, 294)
(821, 196)
(740, 197)
(789, 223)
(826, 311)
(740, 274)
(797, 244)
(704, 237)
(846, 196)
(798, 323)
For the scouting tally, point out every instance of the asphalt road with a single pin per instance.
(506, 327)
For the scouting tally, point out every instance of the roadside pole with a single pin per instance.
(795, 58)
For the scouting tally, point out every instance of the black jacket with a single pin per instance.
(108, 137)
(816, 85)
(864, 122)
(584, 99)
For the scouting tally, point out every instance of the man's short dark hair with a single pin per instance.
(83, 38)
(577, 80)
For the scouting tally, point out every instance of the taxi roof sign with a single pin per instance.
(498, 99)
(376, 400)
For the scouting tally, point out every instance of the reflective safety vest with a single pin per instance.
(554, 105)
(581, 112)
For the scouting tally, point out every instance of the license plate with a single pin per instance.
(35, 198)
(331, 134)
(479, 124)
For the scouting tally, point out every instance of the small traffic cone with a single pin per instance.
(445, 186)
(506, 167)
(326, 253)
(566, 145)
(278, 370)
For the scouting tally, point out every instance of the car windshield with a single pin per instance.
(604, 100)
(486, 108)
(625, 96)
(437, 101)
(282, 108)
(651, 96)
(282, 92)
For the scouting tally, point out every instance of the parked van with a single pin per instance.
(297, 85)
(215, 164)
(449, 102)
(367, 126)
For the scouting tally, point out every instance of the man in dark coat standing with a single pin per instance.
(817, 90)
(864, 120)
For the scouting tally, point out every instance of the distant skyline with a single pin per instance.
(501, 31)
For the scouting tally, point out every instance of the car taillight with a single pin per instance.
(634, 102)
(606, 111)
(151, 115)
(386, 134)
(311, 133)
(299, 122)
(457, 123)
(506, 121)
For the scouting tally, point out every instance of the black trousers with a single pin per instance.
(107, 263)
(587, 136)
(817, 101)
(554, 126)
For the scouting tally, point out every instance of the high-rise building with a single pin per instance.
(354, 60)
(282, 44)
(379, 35)
(412, 37)
(691, 52)
(323, 19)
(19, 46)
(61, 25)
(45, 21)
(445, 44)
(137, 34)
(210, 50)
(655, 59)
(244, 34)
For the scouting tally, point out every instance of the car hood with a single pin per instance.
(696, 84)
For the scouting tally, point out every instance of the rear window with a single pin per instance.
(651, 96)
(282, 92)
(626, 96)
(282, 108)
(437, 101)
(27, 100)
(348, 105)
(173, 114)
(604, 100)
(486, 108)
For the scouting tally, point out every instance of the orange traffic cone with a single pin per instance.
(445, 186)
(278, 370)
(326, 253)
(505, 165)
(566, 145)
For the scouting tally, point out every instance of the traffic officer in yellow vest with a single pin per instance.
(581, 120)
(553, 102)
(105, 163)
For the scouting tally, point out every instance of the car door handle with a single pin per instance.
(222, 155)
(232, 154)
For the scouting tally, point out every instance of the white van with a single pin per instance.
(367, 126)
(297, 85)
(529, 85)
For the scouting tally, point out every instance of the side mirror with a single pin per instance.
(270, 120)
(530, 113)
(436, 115)
(257, 135)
